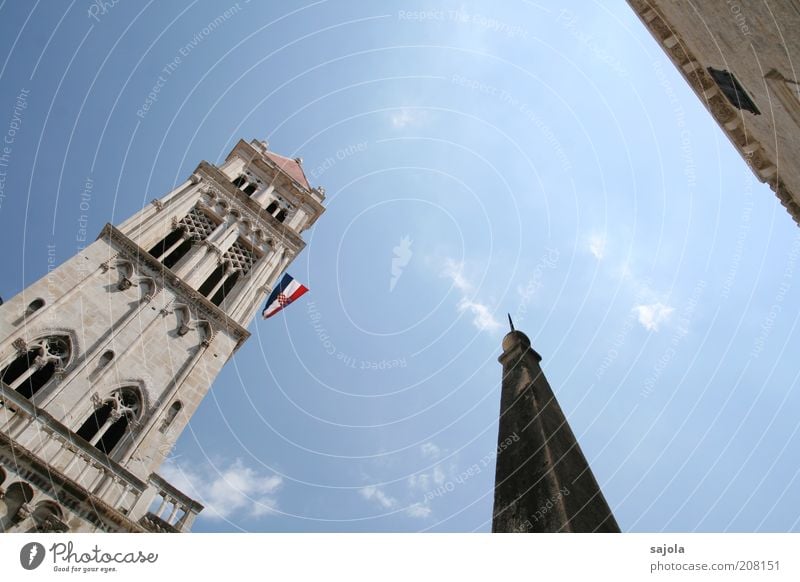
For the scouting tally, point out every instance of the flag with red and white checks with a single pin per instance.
(285, 292)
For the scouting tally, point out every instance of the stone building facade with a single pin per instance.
(105, 359)
(543, 482)
(741, 58)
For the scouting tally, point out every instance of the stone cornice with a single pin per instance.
(248, 208)
(206, 309)
(730, 119)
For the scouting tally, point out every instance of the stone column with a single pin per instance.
(543, 482)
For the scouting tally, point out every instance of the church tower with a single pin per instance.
(543, 482)
(104, 360)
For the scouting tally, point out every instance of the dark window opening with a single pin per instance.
(95, 422)
(166, 243)
(34, 306)
(113, 435)
(212, 280)
(178, 253)
(171, 414)
(108, 425)
(106, 358)
(220, 295)
(30, 372)
(37, 380)
(250, 189)
(18, 367)
(281, 216)
(733, 90)
(272, 207)
(240, 181)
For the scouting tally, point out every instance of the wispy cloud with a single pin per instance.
(421, 510)
(483, 319)
(597, 246)
(652, 316)
(455, 272)
(226, 490)
(376, 494)
(405, 117)
(430, 450)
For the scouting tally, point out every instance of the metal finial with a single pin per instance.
(511, 323)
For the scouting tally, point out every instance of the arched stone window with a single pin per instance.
(34, 306)
(48, 517)
(273, 206)
(281, 216)
(111, 422)
(250, 189)
(171, 414)
(240, 181)
(32, 369)
(18, 495)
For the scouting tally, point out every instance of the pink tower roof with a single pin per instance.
(290, 166)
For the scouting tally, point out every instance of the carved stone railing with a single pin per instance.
(180, 509)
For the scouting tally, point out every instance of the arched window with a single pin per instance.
(34, 306)
(31, 371)
(240, 181)
(273, 206)
(171, 414)
(48, 517)
(105, 359)
(17, 495)
(109, 423)
(281, 216)
(250, 189)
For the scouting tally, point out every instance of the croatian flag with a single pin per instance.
(284, 293)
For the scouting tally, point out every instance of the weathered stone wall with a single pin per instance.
(758, 42)
(543, 482)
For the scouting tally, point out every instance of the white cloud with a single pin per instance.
(373, 493)
(421, 481)
(404, 117)
(430, 450)
(455, 272)
(438, 475)
(226, 490)
(653, 315)
(483, 318)
(420, 510)
(482, 314)
(597, 246)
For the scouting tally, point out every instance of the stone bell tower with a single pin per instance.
(104, 360)
(543, 483)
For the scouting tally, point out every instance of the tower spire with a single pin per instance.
(543, 482)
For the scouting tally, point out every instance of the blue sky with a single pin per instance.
(525, 158)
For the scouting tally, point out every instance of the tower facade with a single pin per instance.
(543, 482)
(105, 359)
